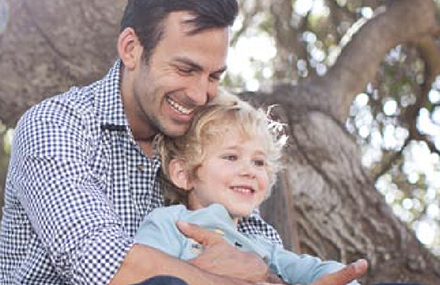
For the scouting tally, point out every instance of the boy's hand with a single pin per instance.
(221, 258)
(346, 275)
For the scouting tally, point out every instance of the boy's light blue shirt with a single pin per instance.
(159, 230)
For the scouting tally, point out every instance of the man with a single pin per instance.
(83, 170)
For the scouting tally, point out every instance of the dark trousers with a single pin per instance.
(398, 284)
(169, 280)
(163, 280)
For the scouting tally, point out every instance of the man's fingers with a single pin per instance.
(221, 258)
(202, 236)
(346, 275)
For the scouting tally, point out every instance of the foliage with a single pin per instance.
(395, 120)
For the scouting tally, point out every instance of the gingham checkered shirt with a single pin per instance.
(78, 186)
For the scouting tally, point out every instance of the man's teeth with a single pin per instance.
(178, 108)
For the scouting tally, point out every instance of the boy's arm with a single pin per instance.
(303, 269)
(158, 230)
(346, 275)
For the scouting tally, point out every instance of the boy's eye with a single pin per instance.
(230, 157)
(259, 162)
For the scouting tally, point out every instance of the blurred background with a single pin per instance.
(395, 120)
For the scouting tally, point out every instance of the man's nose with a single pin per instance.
(202, 90)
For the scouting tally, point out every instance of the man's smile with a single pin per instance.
(179, 108)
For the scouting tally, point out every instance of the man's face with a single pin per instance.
(182, 75)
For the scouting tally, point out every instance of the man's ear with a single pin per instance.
(129, 48)
(179, 174)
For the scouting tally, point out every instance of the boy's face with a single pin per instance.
(233, 173)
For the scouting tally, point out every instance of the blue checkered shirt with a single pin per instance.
(77, 188)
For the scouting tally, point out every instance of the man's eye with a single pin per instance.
(215, 77)
(185, 71)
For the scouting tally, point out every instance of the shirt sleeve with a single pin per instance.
(159, 230)
(299, 269)
(255, 225)
(52, 172)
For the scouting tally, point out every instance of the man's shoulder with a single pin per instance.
(76, 100)
(71, 109)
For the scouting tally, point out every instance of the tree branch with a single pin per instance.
(430, 54)
(390, 161)
(399, 22)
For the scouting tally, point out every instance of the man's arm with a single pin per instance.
(51, 177)
(248, 266)
(143, 262)
(221, 258)
(159, 231)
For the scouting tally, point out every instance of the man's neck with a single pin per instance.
(143, 133)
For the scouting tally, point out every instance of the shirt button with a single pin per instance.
(141, 167)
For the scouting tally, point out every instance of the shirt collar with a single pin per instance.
(109, 100)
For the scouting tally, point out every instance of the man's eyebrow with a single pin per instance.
(197, 66)
(189, 62)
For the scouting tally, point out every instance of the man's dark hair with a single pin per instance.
(146, 17)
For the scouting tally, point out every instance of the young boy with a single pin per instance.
(219, 173)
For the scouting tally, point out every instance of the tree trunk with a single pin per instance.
(324, 203)
(47, 46)
(332, 207)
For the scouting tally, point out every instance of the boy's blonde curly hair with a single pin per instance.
(224, 112)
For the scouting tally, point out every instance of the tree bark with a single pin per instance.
(47, 46)
(324, 203)
(333, 208)
(331, 205)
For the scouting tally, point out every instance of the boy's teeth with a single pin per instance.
(178, 107)
(243, 190)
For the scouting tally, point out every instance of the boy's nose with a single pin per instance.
(247, 169)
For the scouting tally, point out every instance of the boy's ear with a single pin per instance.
(179, 174)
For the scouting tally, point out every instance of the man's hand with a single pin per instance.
(221, 258)
(346, 275)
